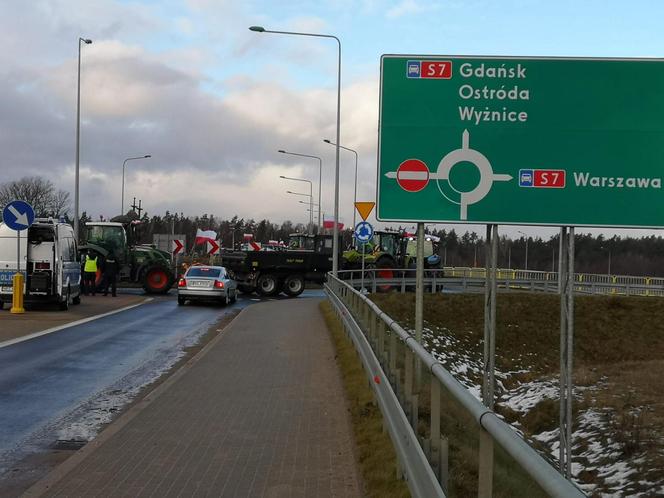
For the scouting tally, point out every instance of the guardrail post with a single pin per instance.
(438, 455)
(381, 342)
(393, 359)
(372, 328)
(486, 465)
(408, 387)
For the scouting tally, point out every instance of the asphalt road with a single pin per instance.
(61, 388)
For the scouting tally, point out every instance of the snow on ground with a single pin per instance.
(596, 455)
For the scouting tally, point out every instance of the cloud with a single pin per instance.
(405, 7)
(213, 137)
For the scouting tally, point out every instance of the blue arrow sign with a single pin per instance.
(363, 232)
(18, 215)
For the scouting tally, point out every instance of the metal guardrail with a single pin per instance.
(383, 344)
(474, 280)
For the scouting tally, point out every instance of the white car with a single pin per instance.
(207, 283)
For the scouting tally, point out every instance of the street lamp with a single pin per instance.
(147, 156)
(310, 195)
(78, 135)
(320, 175)
(355, 190)
(335, 237)
(609, 251)
(526, 247)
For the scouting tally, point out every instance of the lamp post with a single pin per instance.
(609, 251)
(320, 175)
(78, 135)
(335, 236)
(526, 263)
(311, 207)
(147, 156)
(355, 189)
(311, 196)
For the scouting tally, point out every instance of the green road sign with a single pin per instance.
(529, 141)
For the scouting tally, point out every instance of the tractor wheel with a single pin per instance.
(384, 270)
(267, 284)
(156, 281)
(246, 289)
(293, 285)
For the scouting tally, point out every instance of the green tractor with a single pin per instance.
(139, 263)
(389, 251)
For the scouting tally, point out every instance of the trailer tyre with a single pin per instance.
(294, 285)
(267, 285)
(156, 280)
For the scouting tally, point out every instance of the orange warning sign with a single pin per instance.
(364, 208)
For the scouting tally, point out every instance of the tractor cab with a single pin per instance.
(109, 236)
(314, 243)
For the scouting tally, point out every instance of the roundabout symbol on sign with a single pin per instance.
(413, 175)
(363, 232)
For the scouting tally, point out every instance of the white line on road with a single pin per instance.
(70, 324)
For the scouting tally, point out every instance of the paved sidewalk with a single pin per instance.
(260, 413)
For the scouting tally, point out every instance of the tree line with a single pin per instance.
(593, 254)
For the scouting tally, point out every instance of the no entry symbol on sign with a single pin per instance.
(412, 175)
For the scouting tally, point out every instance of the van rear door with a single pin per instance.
(8, 256)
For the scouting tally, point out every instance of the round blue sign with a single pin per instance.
(18, 215)
(363, 232)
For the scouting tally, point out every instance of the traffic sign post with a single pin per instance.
(528, 141)
(363, 233)
(18, 215)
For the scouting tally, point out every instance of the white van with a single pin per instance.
(50, 256)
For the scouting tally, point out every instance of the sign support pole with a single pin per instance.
(566, 348)
(490, 316)
(419, 294)
(17, 283)
(362, 248)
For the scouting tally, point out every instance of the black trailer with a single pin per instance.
(307, 259)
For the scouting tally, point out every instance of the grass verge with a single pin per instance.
(375, 452)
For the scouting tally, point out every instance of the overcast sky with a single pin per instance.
(212, 102)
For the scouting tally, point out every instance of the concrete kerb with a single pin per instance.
(61, 471)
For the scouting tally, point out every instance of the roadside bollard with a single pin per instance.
(17, 298)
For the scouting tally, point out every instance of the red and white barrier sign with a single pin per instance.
(177, 247)
(212, 247)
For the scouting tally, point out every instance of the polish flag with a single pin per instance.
(202, 236)
(329, 223)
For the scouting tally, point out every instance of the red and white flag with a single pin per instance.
(202, 236)
(328, 222)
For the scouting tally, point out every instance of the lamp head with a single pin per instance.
(87, 40)
(147, 156)
(281, 151)
(326, 141)
(258, 29)
(282, 176)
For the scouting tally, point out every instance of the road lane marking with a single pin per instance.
(70, 324)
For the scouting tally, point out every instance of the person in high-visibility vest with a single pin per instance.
(90, 274)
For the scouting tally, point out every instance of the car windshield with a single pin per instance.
(202, 271)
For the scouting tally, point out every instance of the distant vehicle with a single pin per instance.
(140, 263)
(307, 259)
(50, 256)
(207, 283)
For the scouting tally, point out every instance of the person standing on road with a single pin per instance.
(90, 274)
(110, 274)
